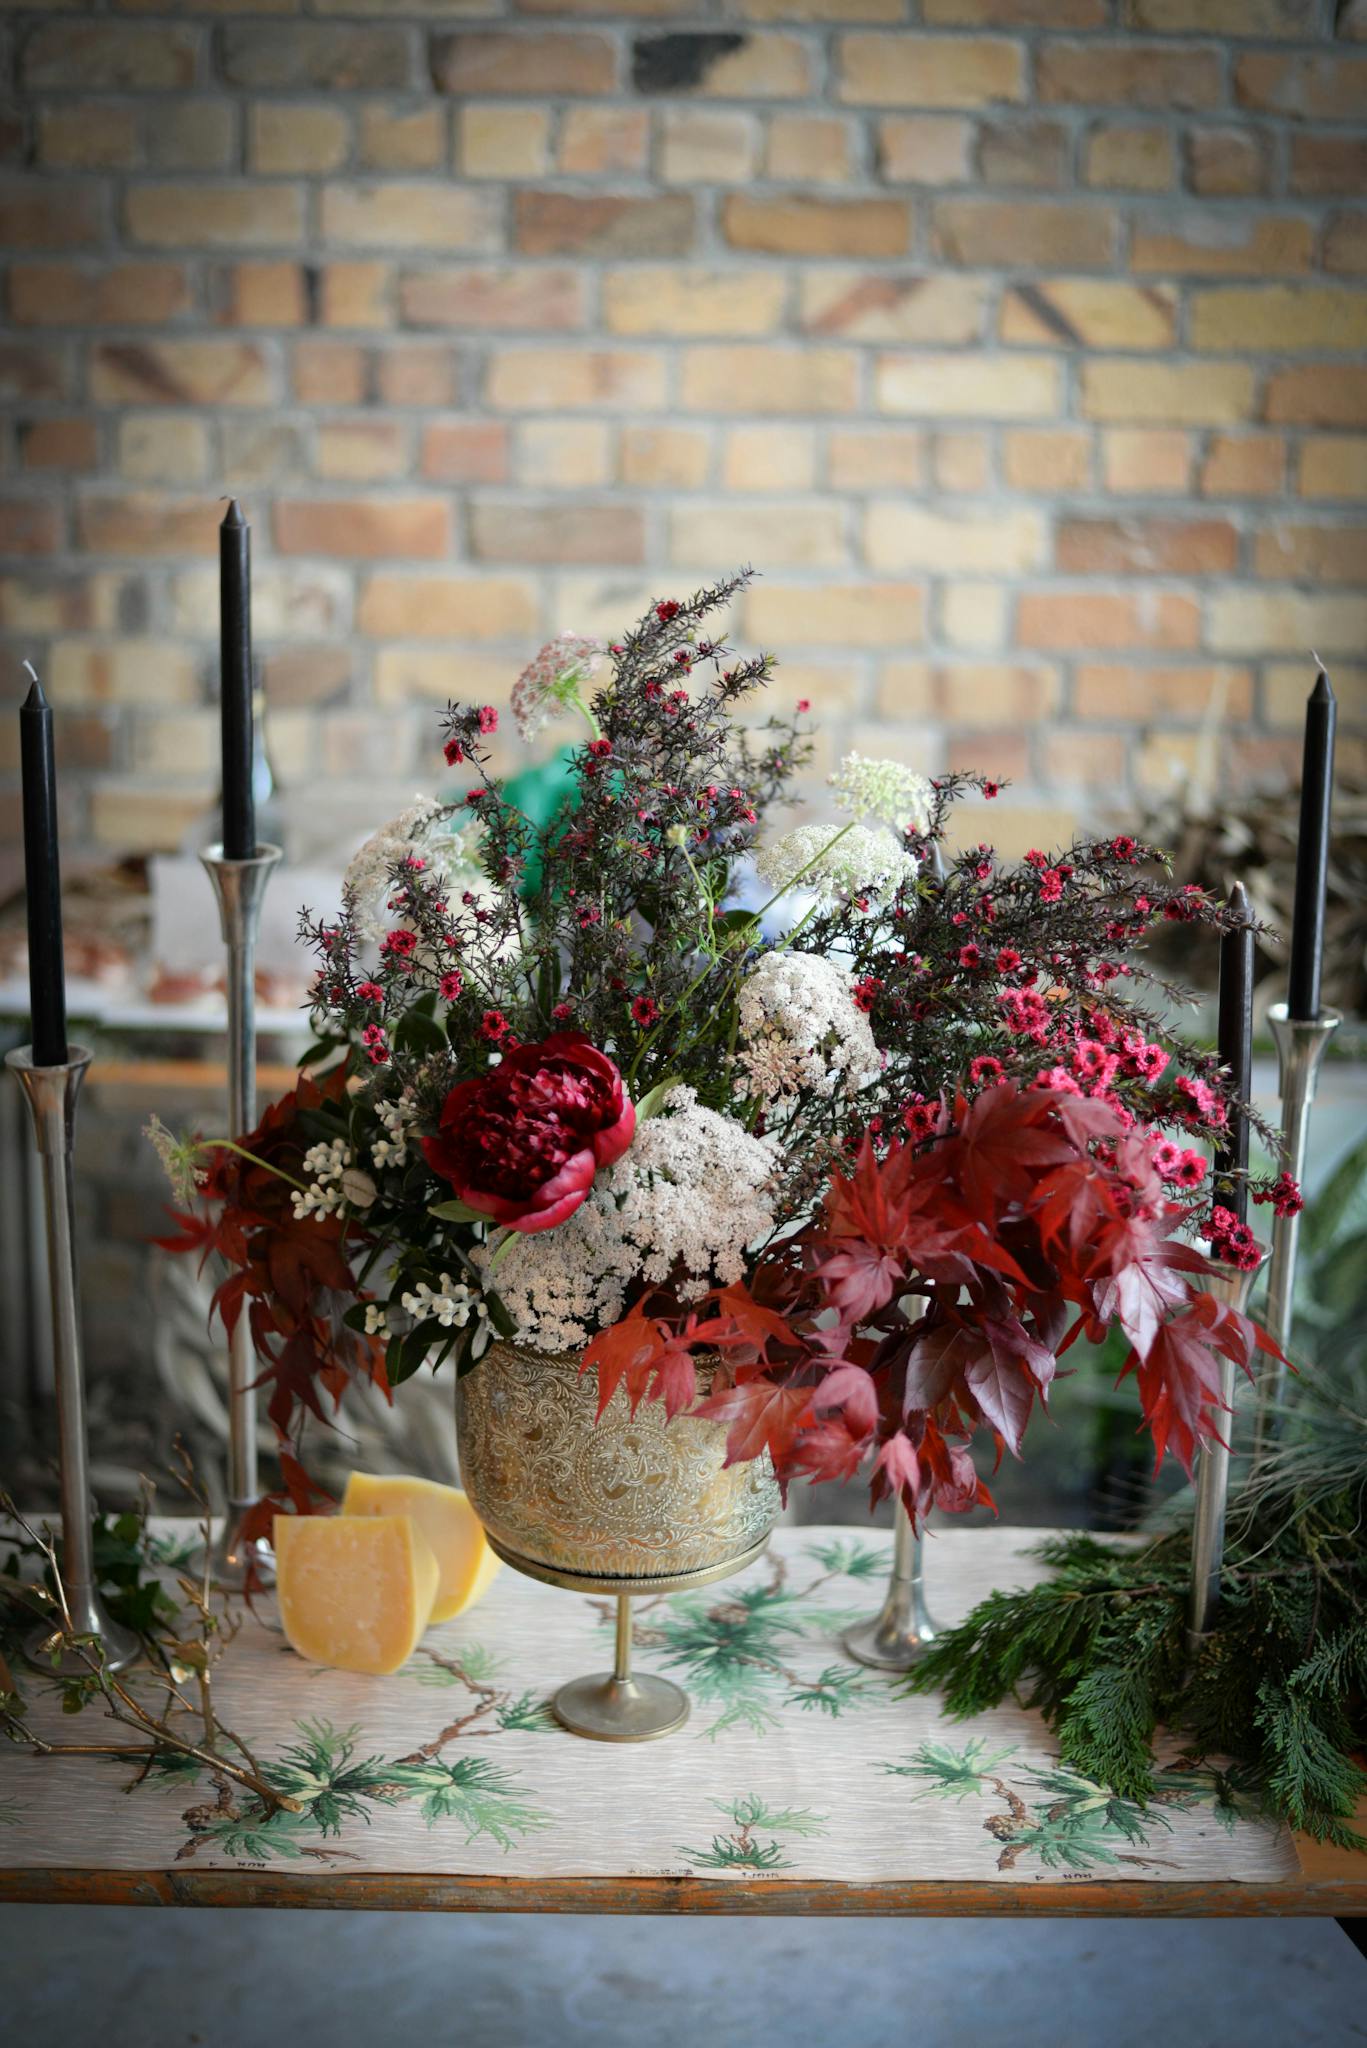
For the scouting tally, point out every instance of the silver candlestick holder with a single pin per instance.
(51, 1094)
(1301, 1045)
(893, 1639)
(240, 886)
(1230, 1285)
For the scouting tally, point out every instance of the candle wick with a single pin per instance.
(32, 670)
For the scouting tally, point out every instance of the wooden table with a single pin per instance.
(802, 1784)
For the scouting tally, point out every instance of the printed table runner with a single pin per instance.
(795, 1763)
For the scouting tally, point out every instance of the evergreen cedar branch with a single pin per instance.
(1000, 1151)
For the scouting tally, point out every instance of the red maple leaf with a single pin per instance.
(763, 1417)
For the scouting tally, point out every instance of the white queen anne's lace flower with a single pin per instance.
(801, 1031)
(682, 1204)
(883, 789)
(424, 832)
(863, 860)
(553, 677)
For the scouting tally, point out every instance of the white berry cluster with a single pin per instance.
(451, 1303)
(801, 1032)
(684, 1203)
(325, 1194)
(392, 1148)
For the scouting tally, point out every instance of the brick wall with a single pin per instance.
(1019, 342)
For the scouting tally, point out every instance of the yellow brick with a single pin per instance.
(803, 225)
(448, 606)
(1334, 466)
(794, 535)
(564, 454)
(1280, 317)
(360, 450)
(405, 673)
(925, 149)
(87, 137)
(668, 299)
(826, 686)
(1248, 621)
(1286, 685)
(876, 458)
(1216, 242)
(764, 67)
(596, 140)
(219, 216)
(705, 146)
(1050, 233)
(769, 459)
(1014, 828)
(962, 462)
(1312, 554)
(1187, 394)
(898, 535)
(406, 214)
(768, 380)
(969, 386)
(356, 294)
(1146, 460)
(1128, 158)
(503, 142)
(974, 693)
(812, 149)
(157, 448)
(1087, 312)
(834, 615)
(125, 671)
(135, 817)
(551, 380)
(180, 373)
(403, 138)
(1047, 459)
(1244, 466)
(901, 69)
(1121, 693)
(674, 458)
(284, 135)
(867, 305)
(192, 135)
(185, 744)
(1095, 761)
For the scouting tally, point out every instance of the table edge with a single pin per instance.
(413, 1892)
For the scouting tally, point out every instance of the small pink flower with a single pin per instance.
(487, 718)
(985, 1071)
(370, 991)
(450, 986)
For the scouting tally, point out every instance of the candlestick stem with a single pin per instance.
(893, 1639)
(239, 886)
(1233, 1287)
(616, 1706)
(51, 1093)
(1301, 1045)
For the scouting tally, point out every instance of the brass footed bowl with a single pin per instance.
(624, 1498)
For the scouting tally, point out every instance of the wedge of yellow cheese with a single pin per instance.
(355, 1591)
(467, 1565)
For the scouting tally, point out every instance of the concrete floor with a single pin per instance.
(126, 1978)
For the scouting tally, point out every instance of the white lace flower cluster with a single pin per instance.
(801, 1031)
(683, 1204)
(552, 679)
(424, 832)
(862, 860)
(451, 1303)
(882, 789)
(328, 1164)
(392, 1148)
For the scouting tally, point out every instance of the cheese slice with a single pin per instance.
(355, 1591)
(467, 1565)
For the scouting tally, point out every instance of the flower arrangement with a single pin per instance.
(654, 1078)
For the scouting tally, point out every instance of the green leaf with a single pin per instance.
(457, 1212)
(652, 1101)
(405, 1354)
(420, 1034)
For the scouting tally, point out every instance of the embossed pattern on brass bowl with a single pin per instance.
(624, 1497)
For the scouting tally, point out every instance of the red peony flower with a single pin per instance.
(523, 1142)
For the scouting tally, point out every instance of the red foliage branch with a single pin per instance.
(1030, 1219)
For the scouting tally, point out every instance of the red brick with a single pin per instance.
(1345, 244)
(59, 444)
(331, 372)
(602, 224)
(1063, 618)
(1244, 466)
(1227, 163)
(34, 370)
(539, 62)
(573, 533)
(1146, 547)
(1332, 87)
(465, 451)
(1319, 395)
(329, 56)
(1047, 232)
(417, 373)
(30, 526)
(1329, 163)
(1023, 153)
(537, 299)
(367, 528)
(108, 57)
(147, 523)
(45, 215)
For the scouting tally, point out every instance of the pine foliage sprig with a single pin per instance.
(1280, 1685)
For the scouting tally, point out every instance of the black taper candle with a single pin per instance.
(1236, 1053)
(42, 880)
(235, 625)
(1312, 853)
